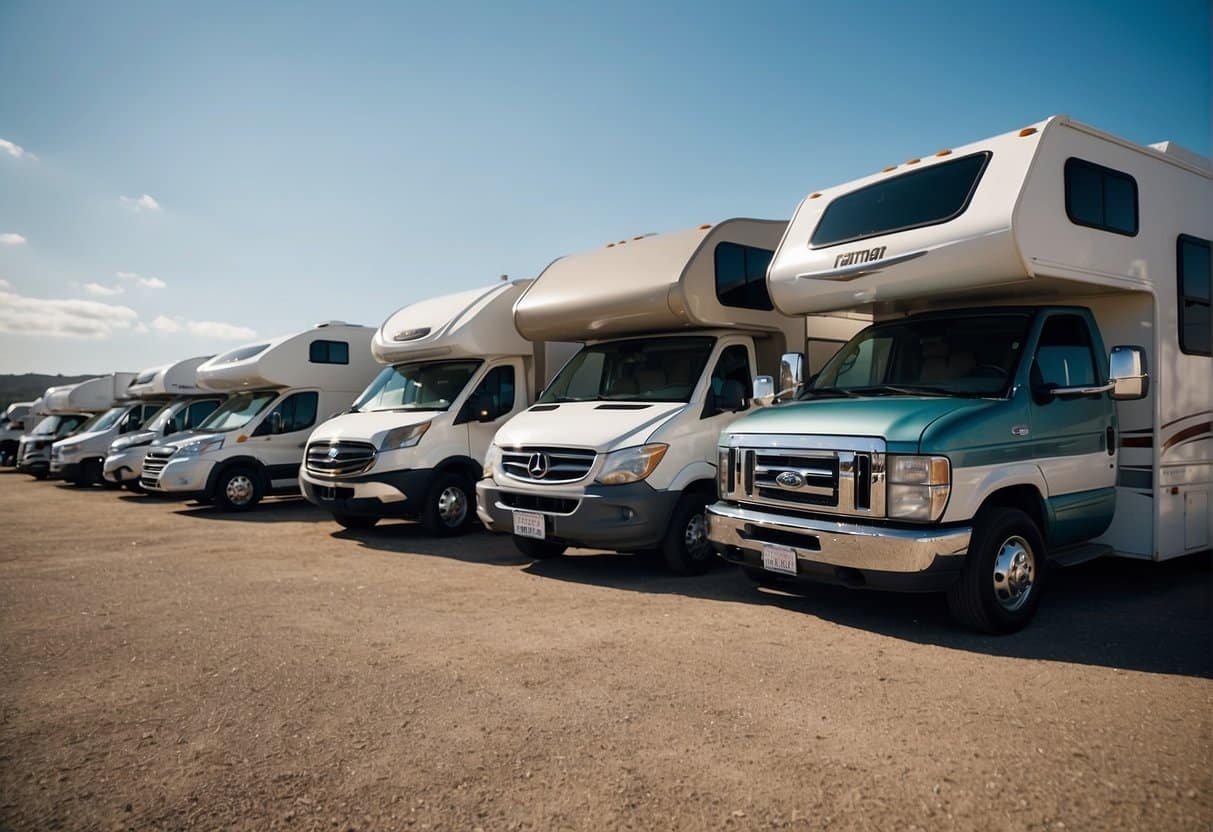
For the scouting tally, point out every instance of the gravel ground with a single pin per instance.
(166, 666)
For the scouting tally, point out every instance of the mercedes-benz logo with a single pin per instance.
(334, 452)
(537, 465)
(790, 479)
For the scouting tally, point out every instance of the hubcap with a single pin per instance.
(452, 506)
(1014, 573)
(695, 537)
(239, 490)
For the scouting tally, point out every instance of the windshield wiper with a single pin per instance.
(812, 392)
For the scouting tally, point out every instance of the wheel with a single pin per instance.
(354, 521)
(999, 588)
(89, 475)
(110, 485)
(539, 549)
(134, 487)
(39, 475)
(238, 489)
(448, 505)
(686, 549)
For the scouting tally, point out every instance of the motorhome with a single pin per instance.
(181, 405)
(979, 431)
(412, 444)
(34, 446)
(72, 409)
(253, 444)
(618, 452)
(12, 426)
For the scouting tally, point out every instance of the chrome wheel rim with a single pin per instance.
(452, 505)
(1014, 573)
(239, 490)
(695, 537)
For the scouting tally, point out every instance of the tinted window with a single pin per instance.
(197, 413)
(494, 396)
(937, 193)
(732, 379)
(1100, 197)
(635, 370)
(1064, 357)
(240, 354)
(1195, 289)
(741, 276)
(298, 412)
(329, 352)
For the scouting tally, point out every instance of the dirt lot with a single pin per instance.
(165, 666)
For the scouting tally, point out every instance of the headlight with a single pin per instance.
(918, 487)
(492, 460)
(631, 464)
(405, 437)
(200, 446)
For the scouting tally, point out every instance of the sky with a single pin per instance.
(179, 178)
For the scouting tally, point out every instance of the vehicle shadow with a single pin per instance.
(270, 510)
(411, 538)
(1131, 615)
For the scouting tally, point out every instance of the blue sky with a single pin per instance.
(307, 162)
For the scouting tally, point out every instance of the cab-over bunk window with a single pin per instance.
(1195, 294)
(329, 352)
(741, 276)
(1100, 197)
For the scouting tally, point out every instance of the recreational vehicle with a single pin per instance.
(252, 445)
(72, 408)
(980, 431)
(619, 451)
(412, 444)
(183, 405)
(12, 426)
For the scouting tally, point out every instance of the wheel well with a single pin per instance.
(1023, 497)
(464, 465)
(707, 487)
(236, 462)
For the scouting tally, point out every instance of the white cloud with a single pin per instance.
(141, 281)
(20, 315)
(11, 239)
(165, 324)
(4, 284)
(216, 330)
(102, 291)
(15, 150)
(139, 204)
(141, 328)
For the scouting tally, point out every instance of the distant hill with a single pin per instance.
(29, 386)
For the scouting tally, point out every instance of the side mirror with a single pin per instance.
(1127, 373)
(791, 374)
(764, 391)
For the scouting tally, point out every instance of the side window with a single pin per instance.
(741, 276)
(1195, 294)
(197, 412)
(329, 352)
(494, 396)
(1064, 357)
(732, 381)
(298, 412)
(819, 351)
(1100, 197)
(864, 366)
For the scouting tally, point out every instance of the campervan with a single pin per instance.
(181, 405)
(34, 446)
(12, 426)
(253, 444)
(979, 431)
(412, 444)
(619, 451)
(73, 409)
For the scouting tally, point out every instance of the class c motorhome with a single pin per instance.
(179, 405)
(619, 451)
(72, 409)
(12, 426)
(278, 390)
(980, 430)
(412, 444)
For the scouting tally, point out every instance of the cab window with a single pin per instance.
(1064, 355)
(197, 412)
(494, 396)
(295, 412)
(731, 383)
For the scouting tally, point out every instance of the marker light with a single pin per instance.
(1027, 131)
(944, 153)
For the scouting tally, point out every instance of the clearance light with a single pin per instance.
(610, 245)
(944, 153)
(705, 226)
(889, 168)
(1027, 131)
(913, 161)
(638, 237)
(623, 242)
(814, 195)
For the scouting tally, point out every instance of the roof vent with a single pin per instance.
(1184, 155)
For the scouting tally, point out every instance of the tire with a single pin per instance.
(999, 588)
(449, 505)
(134, 487)
(354, 521)
(686, 550)
(238, 489)
(539, 549)
(90, 474)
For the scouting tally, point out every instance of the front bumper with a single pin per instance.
(124, 466)
(378, 494)
(906, 559)
(621, 518)
(184, 477)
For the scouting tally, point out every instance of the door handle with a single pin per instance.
(1111, 435)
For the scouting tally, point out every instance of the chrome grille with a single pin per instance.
(551, 465)
(339, 459)
(153, 464)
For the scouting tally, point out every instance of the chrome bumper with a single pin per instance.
(850, 545)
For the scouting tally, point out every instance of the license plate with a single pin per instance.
(529, 524)
(778, 559)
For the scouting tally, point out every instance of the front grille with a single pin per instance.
(339, 459)
(551, 465)
(534, 502)
(153, 464)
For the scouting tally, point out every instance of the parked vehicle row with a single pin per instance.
(906, 387)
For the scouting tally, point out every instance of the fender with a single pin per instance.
(972, 486)
(463, 463)
(693, 471)
(219, 468)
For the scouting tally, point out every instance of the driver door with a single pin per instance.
(279, 440)
(497, 397)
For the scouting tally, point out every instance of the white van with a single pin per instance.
(12, 426)
(619, 452)
(42, 429)
(253, 444)
(413, 442)
(78, 458)
(182, 405)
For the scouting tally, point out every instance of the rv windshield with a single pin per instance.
(973, 356)
(636, 370)
(108, 419)
(61, 425)
(237, 411)
(430, 385)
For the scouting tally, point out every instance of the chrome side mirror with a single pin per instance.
(1127, 373)
(791, 374)
(764, 391)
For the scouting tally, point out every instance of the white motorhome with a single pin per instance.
(253, 444)
(181, 405)
(73, 409)
(979, 431)
(42, 429)
(12, 425)
(413, 443)
(619, 452)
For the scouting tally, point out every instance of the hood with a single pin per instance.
(179, 439)
(371, 426)
(896, 419)
(601, 426)
(134, 440)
